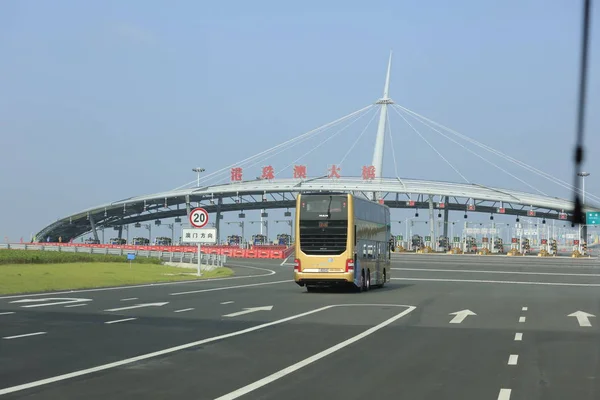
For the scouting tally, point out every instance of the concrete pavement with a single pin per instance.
(468, 327)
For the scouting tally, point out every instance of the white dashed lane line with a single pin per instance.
(25, 335)
(518, 337)
(513, 359)
(504, 394)
(129, 299)
(120, 320)
(522, 319)
(75, 305)
(184, 310)
(227, 302)
(7, 313)
(524, 309)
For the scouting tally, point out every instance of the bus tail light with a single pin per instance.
(296, 265)
(349, 265)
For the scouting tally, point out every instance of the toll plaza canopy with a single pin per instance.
(281, 193)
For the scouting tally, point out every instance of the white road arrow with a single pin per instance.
(138, 306)
(460, 316)
(582, 317)
(249, 310)
(55, 301)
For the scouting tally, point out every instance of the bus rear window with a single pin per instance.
(323, 207)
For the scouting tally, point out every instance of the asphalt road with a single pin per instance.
(445, 327)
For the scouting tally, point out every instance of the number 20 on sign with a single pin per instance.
(198, 217)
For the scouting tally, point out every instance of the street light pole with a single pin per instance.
(582, 227)
(198, 170)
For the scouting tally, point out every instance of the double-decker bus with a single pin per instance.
(341, 239)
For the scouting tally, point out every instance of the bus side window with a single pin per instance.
(364, 251)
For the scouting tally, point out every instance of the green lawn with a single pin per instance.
(26, 278)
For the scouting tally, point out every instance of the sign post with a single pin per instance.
(198, 219)
(199, 236)
(130, 257)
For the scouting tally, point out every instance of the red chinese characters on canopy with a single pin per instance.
(236, 174)
(267, 172)
(368, 172)
(299, 171)
(334, 171)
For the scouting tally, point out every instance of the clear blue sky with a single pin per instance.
(102, 100)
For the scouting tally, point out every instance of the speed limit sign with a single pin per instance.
(199, 217)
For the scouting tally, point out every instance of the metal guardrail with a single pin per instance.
(216, 260)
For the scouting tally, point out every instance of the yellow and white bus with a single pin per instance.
(341, 239)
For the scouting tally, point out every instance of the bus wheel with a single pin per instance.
(384, 278)
(361, 283)
(368, 281)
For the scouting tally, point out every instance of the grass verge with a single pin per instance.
(28, 278)
(55, 257)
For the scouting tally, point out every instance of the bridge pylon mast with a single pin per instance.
(380, 139)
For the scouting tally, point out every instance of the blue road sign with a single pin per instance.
(130, 256)
(592, 218)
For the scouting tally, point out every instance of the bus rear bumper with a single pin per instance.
(323, 278)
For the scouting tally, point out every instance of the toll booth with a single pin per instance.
(525, 246)
(543, 248)
(417, 242)
(443, 243)
(553, 247)
(485, 244)
(163, 241)
(498, 245)
(140, 241)
(470, 245)
(234, 240)
(259, 240)
(283, 239)
(117, 241)
(428, 242)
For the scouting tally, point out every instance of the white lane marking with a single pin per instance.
(507, 282)
(184, 310)
(504, 394)
(25, 335)
(54, 301)
(227, 302)
(75, 305)
(512, 360)
(518, 337)
(7, 313)
(228, 287)
(284, 261)
(493, 272)
(270, 272)
(129, 299)
(248, 311)
(583, 318)
(292, 368)
(138, 306)
(115, 364)
(524, 309)
(521, 319)
(115, 322)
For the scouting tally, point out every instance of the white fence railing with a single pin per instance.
(217, 260)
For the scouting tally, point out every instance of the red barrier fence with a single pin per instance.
(268, 252)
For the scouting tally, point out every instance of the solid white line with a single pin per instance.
(521, 319)
(7, 313)
(284, 261)
(505, 282)
(504, 394)
(270, 272)
(76, 305)
(129, 299)
(115, 364)
(184, 310)
(512, 360)
(518, 337)
(292, 368)
(25, 335)
(228, 287)
(524, 309)
(116, 322)
(227, 302)
(493, 272)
